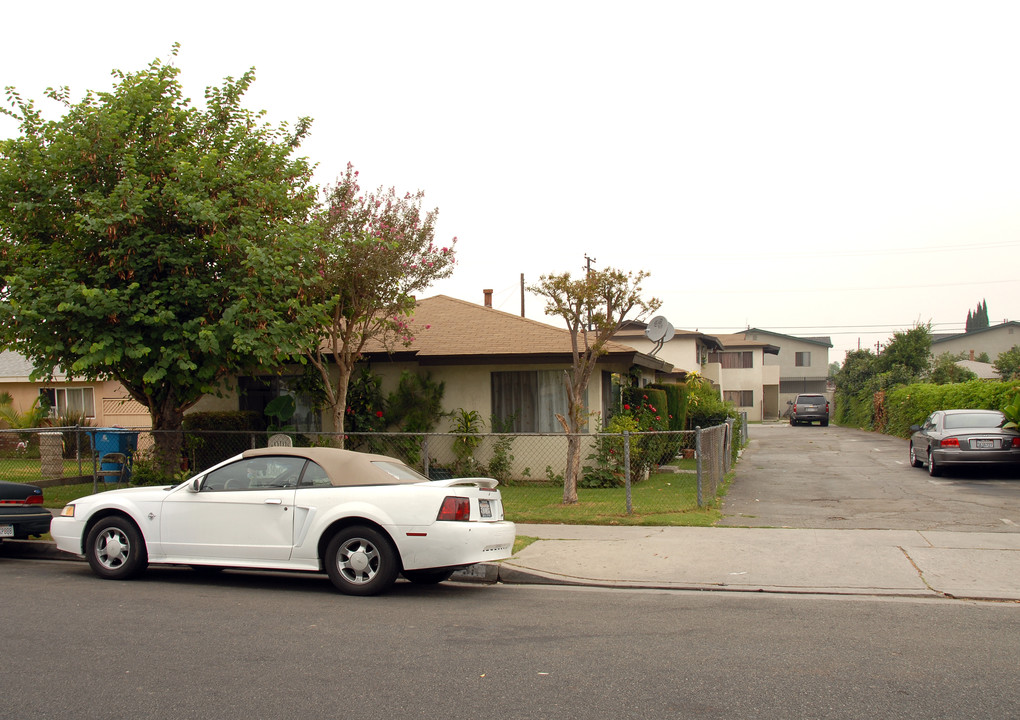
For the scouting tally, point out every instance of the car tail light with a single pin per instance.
(950, 442)
(30, 500)
(1016, 442)
(455, 508)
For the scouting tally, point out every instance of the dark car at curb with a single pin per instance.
(951, 438)
(808, 408)
(22, 514)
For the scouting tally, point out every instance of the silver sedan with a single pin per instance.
(964, 437)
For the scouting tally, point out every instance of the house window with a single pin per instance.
(802, 359)
(529, 399)
(257, 392)
(70, 401)
(733, 360)
(740, 398)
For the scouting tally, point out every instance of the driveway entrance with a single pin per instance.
(835, 477)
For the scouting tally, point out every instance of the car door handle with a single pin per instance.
(274, 501)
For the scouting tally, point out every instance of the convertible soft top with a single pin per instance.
(347, 467)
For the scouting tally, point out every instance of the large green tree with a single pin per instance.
(907, 357)
(594, 307)
(153, 242)
(1007, 364)
(374, 251)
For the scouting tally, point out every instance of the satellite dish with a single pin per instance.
(670, 332)
(656, 329)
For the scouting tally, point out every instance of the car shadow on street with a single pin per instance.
(276, 581)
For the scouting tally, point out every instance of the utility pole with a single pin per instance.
(587, 269)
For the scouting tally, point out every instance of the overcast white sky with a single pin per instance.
(814, 168)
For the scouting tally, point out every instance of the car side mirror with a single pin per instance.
(914, 428)
(196, 484)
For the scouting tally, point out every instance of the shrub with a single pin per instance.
(205, 449)
(910, 404)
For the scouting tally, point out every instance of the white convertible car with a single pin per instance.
(363, 519)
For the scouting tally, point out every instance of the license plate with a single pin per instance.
(484, 508)
(983, 444)
(6, 531)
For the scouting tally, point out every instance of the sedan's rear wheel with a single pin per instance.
(914, 460)
(933, 469)
(115, 549)
(361, 561)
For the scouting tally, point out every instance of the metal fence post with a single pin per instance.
(697, 460)
(728, 445)
(626, 468)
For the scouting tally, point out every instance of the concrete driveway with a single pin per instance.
(842, 478)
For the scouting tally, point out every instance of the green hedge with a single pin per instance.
(676, 401)
(908, 405)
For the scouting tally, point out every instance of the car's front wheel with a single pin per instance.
(914, 460)
(361, 561)
(115, 549)
(933, 469)
(430, 576)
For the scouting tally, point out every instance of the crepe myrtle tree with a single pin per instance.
(594, 307)
(374, 251)
(152, 242)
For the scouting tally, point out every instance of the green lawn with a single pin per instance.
(663, 499)
(29, 470)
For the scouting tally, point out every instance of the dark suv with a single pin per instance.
(808, 408)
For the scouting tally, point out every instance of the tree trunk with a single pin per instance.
(340, 407)
(167, 436)
(573, 471)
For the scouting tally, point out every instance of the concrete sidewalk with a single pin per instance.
(909, 563)
(905, 563)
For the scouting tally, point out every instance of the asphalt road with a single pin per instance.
(239, 646)
(841, 478)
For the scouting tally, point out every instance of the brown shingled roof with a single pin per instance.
(445, 327)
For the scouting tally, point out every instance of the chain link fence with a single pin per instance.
(647, 472)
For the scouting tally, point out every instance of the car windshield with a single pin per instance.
(973, 420)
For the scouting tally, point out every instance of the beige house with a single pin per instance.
(803, 364)
(749, 375)
(687, 351)
(493, 362)
(104, 403)
(757, 370)
(990, 340)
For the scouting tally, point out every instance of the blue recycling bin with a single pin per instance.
(114, 440)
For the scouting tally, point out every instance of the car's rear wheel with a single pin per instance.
(914, 460)
(115, 549)
(933, 469)
(361, 561)
(430, 576)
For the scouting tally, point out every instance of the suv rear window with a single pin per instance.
(810, 400)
